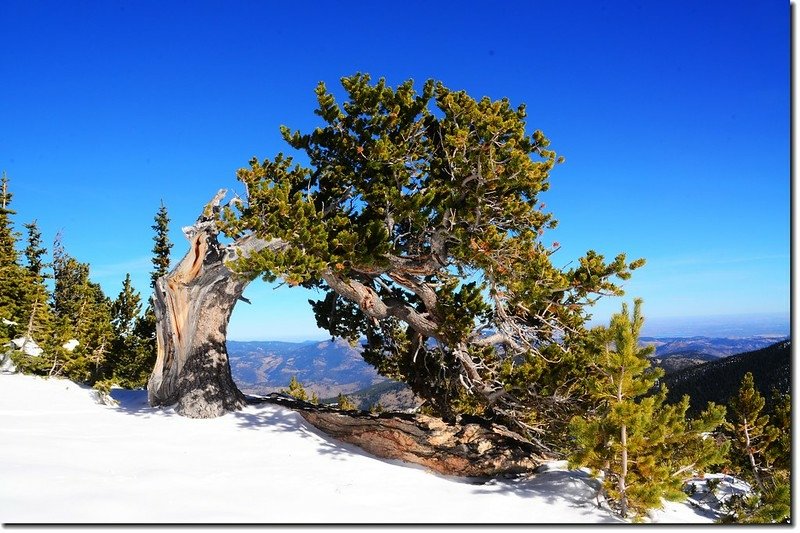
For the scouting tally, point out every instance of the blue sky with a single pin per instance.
(673, 118)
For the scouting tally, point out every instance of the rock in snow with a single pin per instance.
(68, 458)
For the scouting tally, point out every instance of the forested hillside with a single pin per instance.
(718, 381)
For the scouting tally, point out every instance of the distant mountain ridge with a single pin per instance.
(324, 367)
(677, 353)
(718, 381)
(332, 367)
(708, 347)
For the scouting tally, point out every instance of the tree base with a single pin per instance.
(474, 447)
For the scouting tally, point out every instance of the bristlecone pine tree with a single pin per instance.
(644, 448)
(419, 217)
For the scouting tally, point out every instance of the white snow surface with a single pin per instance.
(68, 457)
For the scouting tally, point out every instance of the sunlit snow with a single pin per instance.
(67, 457)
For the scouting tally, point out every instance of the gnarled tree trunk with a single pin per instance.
(193, 305)
(471, 447)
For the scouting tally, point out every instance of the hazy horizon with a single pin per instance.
(721, 326)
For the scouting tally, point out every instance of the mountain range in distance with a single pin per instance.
(718, 381)
(331, 367)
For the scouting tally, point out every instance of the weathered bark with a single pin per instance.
(472, 448)
(193, 305)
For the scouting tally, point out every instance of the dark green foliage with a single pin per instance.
(770, 367)
(129, 360)
(779, 453)
(12, 289)
(761, 454)
(135, 346)
(34, 312)
(161, 246)
(82, 312)
(125, 309)
(751, 432)
(419, 217)
(34, 252)
(111, 337)
(770, 505)
(8, 237)
(644, 447)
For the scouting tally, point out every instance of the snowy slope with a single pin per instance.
(68, 458)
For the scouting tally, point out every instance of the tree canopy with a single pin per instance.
(419, 217)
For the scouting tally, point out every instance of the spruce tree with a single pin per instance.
(34, 252)
(125, 309)
(644, 448)
(129, 360)
(8, 237)
(13, 281)
(145, 327)
(35, 311)
(82, 312)
(161, 246)
(24, 299)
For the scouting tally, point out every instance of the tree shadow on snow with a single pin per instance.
(284, 419)
(575, 487)
(132, 401)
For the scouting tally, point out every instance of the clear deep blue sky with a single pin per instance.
(673, 118)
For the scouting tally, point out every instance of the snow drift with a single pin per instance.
(70, 458)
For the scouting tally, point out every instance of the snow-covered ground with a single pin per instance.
(68, 458)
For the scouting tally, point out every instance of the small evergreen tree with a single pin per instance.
(296, 390)
(24, 309)
(34, 252)
(645, 448)
(8, 237)
(314, 398)
(162, 245)
(345, 404)
(145, 326)
(125, 309)
(82, 312)
(762, 454)
(35, 310)
(129, 361)
(751, 431)
(779, 454)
